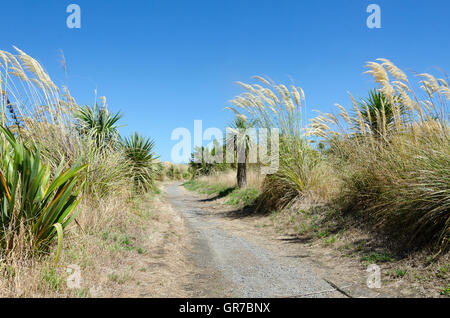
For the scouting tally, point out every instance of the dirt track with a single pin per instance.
(231, 265)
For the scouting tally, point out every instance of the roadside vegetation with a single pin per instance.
(66, 177)
(379, 168)
(176, 172)
(371, 180)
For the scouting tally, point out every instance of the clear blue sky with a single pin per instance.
(165, 63)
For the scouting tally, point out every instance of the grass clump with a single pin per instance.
(446, 291)
(244, 196)
(235, 196)
(59, 163)
(302, 173)
(206, 188)
(378, 257)
(399, 273)
(395, 167)
(139, 151)
(51, 278)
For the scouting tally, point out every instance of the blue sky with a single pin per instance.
(165, 63)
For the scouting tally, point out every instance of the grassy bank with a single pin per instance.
(234, 196)
(371, 178)
(69, 183)
(323, 230)
(106, 232)
(384, 159)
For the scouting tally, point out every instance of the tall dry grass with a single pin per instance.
(272, 105)
(228, 178)
(41, 114)
(27, 274)
(398, 175)
(29, 98)
(391, 164)
(35, 108)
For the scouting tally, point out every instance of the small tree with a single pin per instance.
(198, 164)
(242, 143)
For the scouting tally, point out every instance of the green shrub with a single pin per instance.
(98, 123)
(395, 168)
(245, 196)
(139, 151)
(33, 196)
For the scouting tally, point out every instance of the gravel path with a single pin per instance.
(244, 268)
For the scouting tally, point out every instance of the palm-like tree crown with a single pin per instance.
(97, 121)
(139, 150)
(372, 108)
(242, 141)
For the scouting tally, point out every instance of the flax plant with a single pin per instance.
(31, 196)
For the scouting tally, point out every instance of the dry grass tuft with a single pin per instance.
(228, 179)
(300, 166)
(42, 114)
(398, 174)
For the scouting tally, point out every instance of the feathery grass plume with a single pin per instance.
(284, 105)
(47, 116)
(405, 108)
(28, 88)
(64, 132)
(272, 105)
(400, 181)
(46, 165)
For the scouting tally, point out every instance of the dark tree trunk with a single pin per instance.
(242, 174)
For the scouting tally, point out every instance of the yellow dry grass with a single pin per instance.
(228, 178)
(123, 249)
